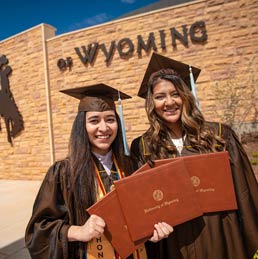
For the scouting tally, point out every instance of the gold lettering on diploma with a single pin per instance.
(162, 205)
(196, 181)
(206, 190)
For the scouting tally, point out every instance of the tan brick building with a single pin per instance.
(218, 36)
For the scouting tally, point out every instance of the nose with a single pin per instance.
(169, 100)
(103, 126)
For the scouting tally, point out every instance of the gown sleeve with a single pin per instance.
(137, 153)
(46, 232)
(246, 188)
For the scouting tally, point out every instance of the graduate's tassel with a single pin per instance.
(193, 88)
(121, 115)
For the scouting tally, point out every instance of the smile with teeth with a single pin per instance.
(103, 136)
(170, 110)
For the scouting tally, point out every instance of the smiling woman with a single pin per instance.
(168, 105)
(178, 128)
(60, 227)
(102, 130)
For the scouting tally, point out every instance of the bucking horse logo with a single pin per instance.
(8, 109)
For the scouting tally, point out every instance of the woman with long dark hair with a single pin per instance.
(178, 128)
(60, 226)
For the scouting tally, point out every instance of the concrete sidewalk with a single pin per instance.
(16, 201)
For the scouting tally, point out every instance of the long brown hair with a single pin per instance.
(200, 136)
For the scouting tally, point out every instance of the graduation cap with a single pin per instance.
(157, 62)
(100, 97)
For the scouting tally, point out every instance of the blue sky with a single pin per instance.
(65, 15)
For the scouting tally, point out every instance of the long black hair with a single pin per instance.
(82, 172)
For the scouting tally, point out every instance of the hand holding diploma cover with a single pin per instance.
(174, 191)
(116, 229)
(110, 208)
(160, 194)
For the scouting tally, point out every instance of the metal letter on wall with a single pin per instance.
(125, 47)
(8, 108)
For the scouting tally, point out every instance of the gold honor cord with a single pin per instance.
(102, 242)
(119, 172)
(140, 253)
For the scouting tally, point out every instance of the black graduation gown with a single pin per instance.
(220, 235)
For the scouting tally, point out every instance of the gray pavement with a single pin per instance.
(16, 201)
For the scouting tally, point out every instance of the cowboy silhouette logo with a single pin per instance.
(8, 109)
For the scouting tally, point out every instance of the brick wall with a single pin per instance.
(228, 60)
(29, 156)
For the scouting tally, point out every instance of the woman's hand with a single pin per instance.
(161, 230)
(93, 228)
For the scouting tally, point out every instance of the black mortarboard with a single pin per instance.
(98, 97)
(158, 62)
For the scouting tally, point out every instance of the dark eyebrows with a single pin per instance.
(111, 115)
(93, 117)
(96, 117)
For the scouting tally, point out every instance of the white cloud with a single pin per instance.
(97, 19)
(128, 1)
(90, 21)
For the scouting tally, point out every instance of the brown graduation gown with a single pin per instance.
(223, 235)
(46, 233)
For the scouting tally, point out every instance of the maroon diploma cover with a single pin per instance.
(160, 194)
(211, 177)
(116, 230)
(174, 191)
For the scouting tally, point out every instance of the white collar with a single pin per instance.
(179, 143)
(106, 160)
